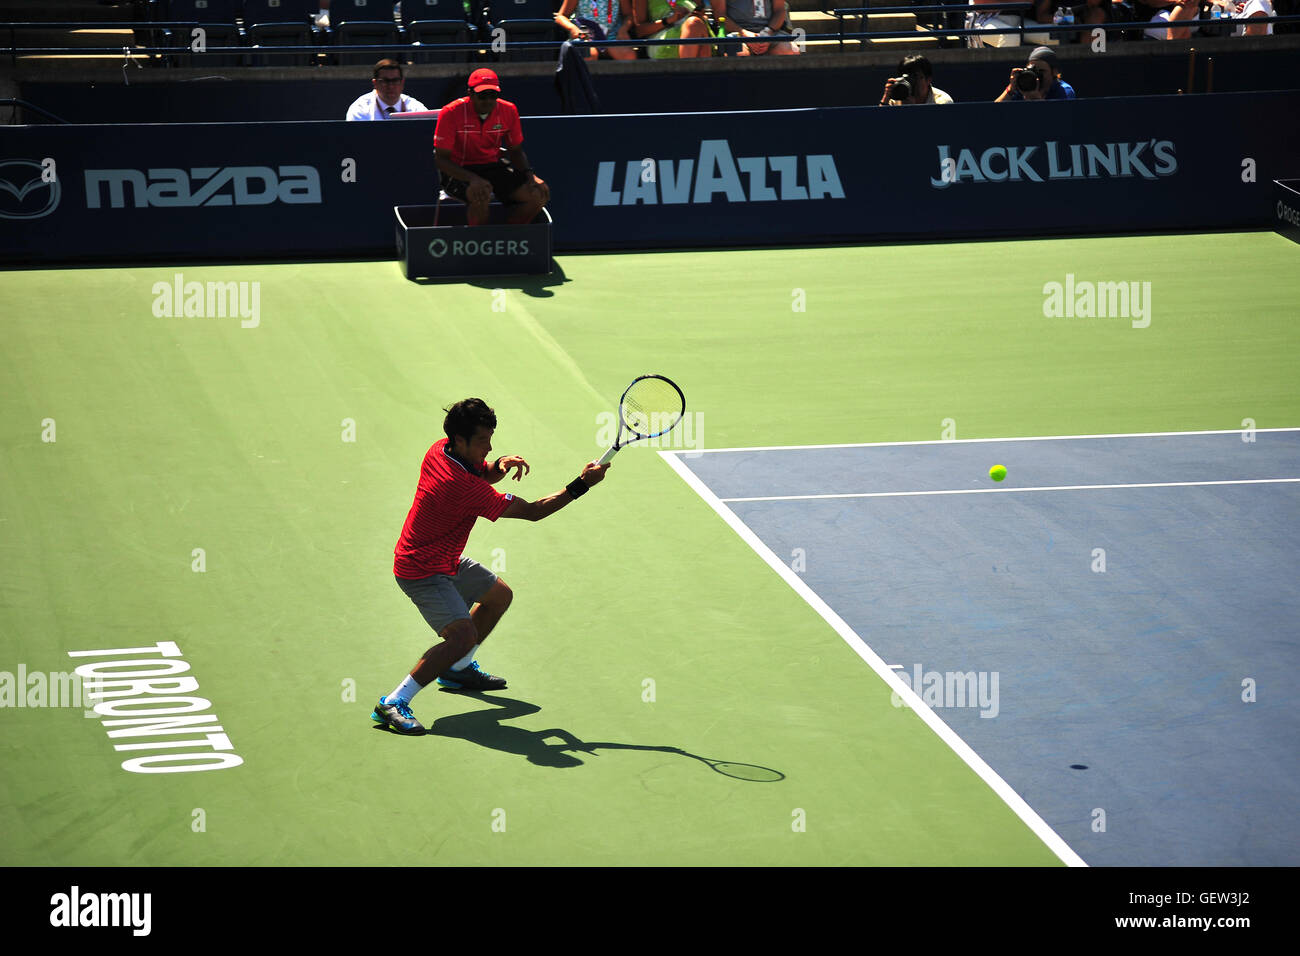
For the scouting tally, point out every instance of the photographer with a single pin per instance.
(913, 84)
(1037, 80)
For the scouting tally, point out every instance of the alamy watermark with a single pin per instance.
(686, 434)
(951, 688)
(1084, 299)
(208, 300)
(24, 688)
(77, 908)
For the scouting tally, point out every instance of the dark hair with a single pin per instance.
(386, 65)
(916, 63)
(466, 417)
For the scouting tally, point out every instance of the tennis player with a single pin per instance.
(460, 599)
(467, 143)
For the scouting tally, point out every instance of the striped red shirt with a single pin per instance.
(448, 500)
(476, 142)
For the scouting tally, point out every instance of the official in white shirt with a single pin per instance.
(387, 97)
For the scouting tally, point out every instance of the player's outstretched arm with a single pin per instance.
(592, 474)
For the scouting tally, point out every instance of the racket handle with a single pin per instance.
(604, 459)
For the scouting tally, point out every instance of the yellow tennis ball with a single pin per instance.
(998, 472)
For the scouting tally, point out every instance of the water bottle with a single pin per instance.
(1217, 13)
(1059, 15)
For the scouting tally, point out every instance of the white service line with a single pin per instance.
(1003, 491)
(973, 441)
(963, 750)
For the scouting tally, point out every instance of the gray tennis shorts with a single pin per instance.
(444, 598)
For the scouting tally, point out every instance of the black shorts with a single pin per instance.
(504, 181)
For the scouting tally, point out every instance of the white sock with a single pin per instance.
(406, 690)
(468, 659)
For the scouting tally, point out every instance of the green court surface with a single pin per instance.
(644, 632)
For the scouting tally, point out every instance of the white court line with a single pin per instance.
(972, 441)
(1003, 491)
(963, 750)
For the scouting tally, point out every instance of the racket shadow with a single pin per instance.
(557, 747)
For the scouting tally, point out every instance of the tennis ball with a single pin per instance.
(998, 472)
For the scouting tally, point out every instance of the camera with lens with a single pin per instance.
(902, 87)
(1026, 80)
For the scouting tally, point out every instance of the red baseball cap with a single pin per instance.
(481, 80)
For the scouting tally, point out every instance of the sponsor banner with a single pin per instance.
(452, 249)
(968, 170)
(209, 190)
(1286, 208)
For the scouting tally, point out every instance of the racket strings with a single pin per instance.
(652, 406)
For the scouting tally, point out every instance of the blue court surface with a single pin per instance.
(1114, 630)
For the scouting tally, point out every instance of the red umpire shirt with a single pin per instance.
(475, 142)
(451, 496)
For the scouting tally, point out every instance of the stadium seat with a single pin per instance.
(364, 21)
(522, 9)
(430, 23)
(144, 11)
(280, 23)
(218, 21)
(1286, 8)
(524, 21)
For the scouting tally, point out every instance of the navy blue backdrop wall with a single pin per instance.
(328, 188)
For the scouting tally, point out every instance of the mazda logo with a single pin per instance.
(23, 194)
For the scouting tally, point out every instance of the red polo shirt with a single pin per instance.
(448, 500)
(475, 142)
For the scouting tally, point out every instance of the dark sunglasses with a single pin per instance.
(488, 94)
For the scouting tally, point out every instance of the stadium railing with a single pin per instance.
(179, 44)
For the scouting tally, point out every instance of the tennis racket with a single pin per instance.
(651, 406)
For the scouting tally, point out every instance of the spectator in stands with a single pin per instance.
(599, 20)
(387, 97)
(1048, 86)
(761, 18)
(467, 144)
(1180, 11)
(918, 72)
(1250, 10)
(1092, 13)
(668, 20)
(1190, 10)
(987, 16)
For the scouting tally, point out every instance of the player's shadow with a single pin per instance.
(486, 728)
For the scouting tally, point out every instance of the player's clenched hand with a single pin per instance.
(594, 474)
(508, 462)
